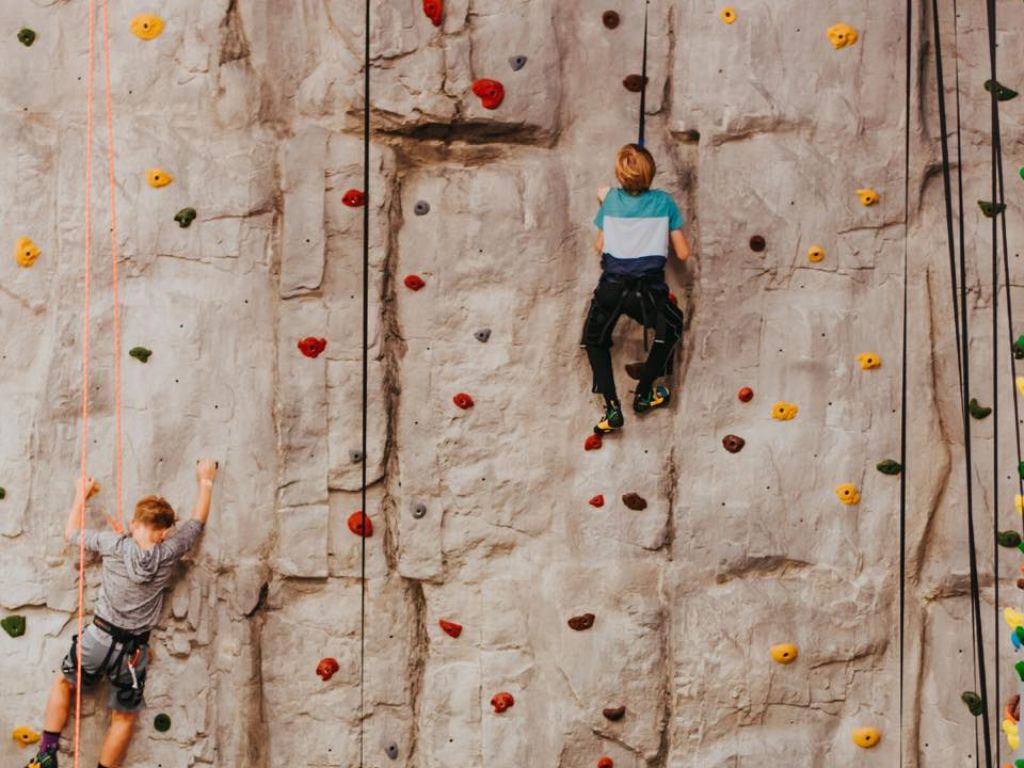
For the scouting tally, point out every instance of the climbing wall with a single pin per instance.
(717, 585)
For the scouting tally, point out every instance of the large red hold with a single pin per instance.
(311, 346)
(592, 443)
(326, 668)
(354, 198)
(463, 400)
(450, 628)
(502, 701)
(491, 93)
(414, 282)
(434, 10)
(360, 525)
(605, 762)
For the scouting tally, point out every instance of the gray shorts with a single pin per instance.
(103, 657)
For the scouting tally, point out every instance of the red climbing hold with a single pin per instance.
(450, 628)
(414, 282)
(491, 93)
(502, 701)
(356, 523)
(463, 400)
(353, 198)
(592, 443)
(596, 501)
(672, 298)
(614, 713)
(605, 762)
(434, 10)
(582, 622)
(312, 346)
(326, 668)
(634, 501)
(745, 395)
(634, 83)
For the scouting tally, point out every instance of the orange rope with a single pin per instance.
(84, 457)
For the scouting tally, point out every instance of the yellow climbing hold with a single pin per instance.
(784, 411)
(866, 737)
(147, 26)
(158, 177)
(1012, 731)
(1013, 618)
(869, 360)
(784, 653)
(867, 196)
(728, 14)
(23, 736)
(848, 493)
(842, 35)
(26, 252)
(815, 254)
(1018, 503)
(1020, 384)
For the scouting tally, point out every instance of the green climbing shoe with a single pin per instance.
(612, 420)
(658, 397)
(47, 759)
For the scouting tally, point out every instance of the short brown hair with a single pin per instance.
(155, 512)
(635, 168)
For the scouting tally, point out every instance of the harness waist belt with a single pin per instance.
(122, 636)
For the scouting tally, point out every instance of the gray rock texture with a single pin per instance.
(761, 128)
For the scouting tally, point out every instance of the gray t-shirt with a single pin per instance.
(134, 579)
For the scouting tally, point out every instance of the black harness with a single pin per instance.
(130, 647)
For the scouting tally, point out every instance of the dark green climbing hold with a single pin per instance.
(978, 411)
(162, 722)
(973, 702)
(26, 36)
(1001, 91)
(991, 209)
(185, 217)
(140, 353)
(1020, 469)
(889, 467)
(1019, 666)
(3, 493)
(13, 625)
(1019, 631)
(1008, 539)
(1018, 348)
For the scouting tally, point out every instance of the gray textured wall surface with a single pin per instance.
(255, 107)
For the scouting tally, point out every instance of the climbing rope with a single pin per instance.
(643, 79)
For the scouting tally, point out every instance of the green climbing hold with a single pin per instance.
(1020, 469)
(1018, 348)
(973, 702)
(1001, 91)
(3, 493)
(889, 467)
(991, 209)
(162, 722)
(26, 36)
(140, 353)
(13, 625)
(1019, 666)
(1019, 631)
(978, 411)
(185, 217)
(1008, 539)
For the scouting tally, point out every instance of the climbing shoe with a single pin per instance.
(45, 759)
(612, 420)
(657, 397)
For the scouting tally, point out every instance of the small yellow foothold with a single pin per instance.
(867, 196)
(869, 360)
(26, 252)
(147, 26)
(1018, 502)
(842, 35)
(848, 493)
(866, 737)
(783, 411)
(784, 653)
(1013, 618)
(1020, 384)
(1012, 731)
(728, 14)
(815, 254)
(23, 736)
(158, 177)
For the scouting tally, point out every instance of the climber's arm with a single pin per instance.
(206, 471)
(78, 507)
(599, 242)
(680, 244)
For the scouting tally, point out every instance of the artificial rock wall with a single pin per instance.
(481, 516)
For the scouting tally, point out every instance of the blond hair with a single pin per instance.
(635, 168)
(155, 512)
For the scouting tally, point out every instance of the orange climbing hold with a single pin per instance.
(354, 198)
(592, 443)
(867, 196)
(158, 177)
(491, 93)
(596, 501)
(414, 282)
(815, 254)
(866, 737)
(728, 15)
(783, 411)
(360, 524)
(784, 653)
(842, 35)
(434, 9)
(326, 668)
(450, 628)
(312, 346)
(848, 493)
(502, 701)
(869, 360)
(463, 400)
(25, 252)
(147, 26)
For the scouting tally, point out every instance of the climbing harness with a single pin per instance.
(126, 648)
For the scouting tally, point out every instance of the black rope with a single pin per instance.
(643, 79)
(366, 373)
(963, 331)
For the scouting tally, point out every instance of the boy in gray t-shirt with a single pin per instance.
(137, 568)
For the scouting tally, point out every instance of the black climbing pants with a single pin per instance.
(644, 298)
